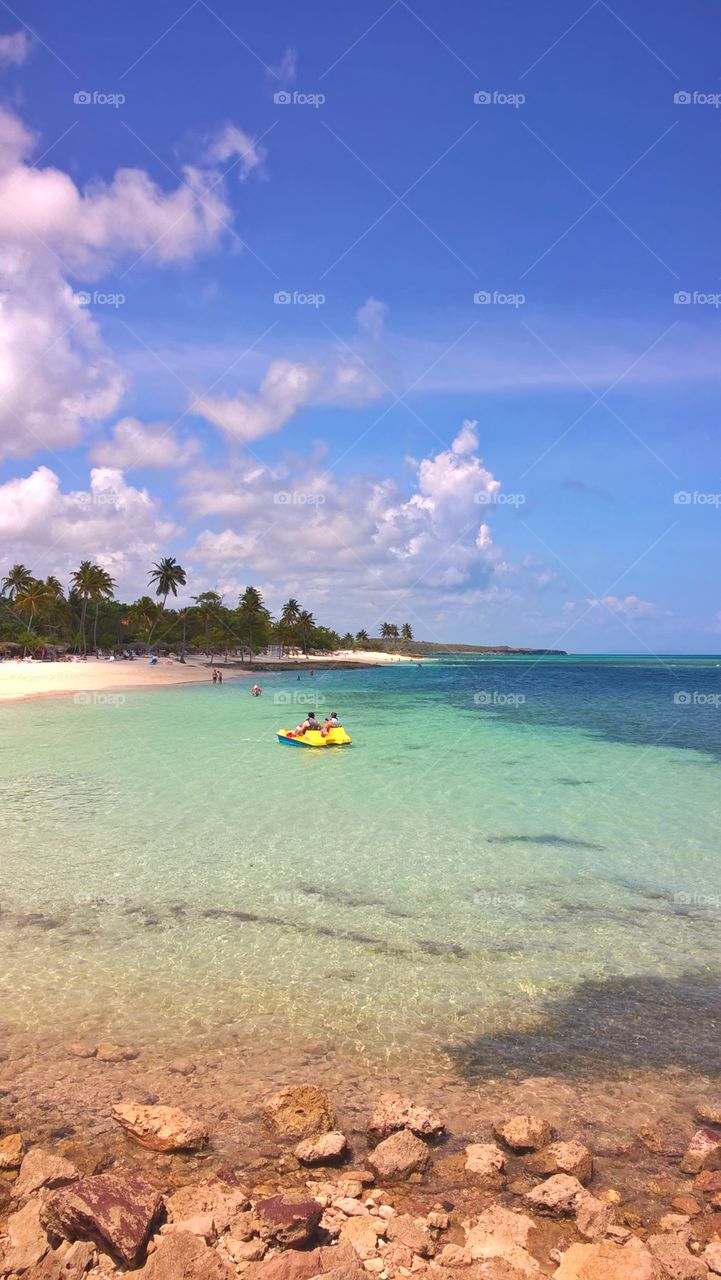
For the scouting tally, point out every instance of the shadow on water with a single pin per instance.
(562, 841)
(608, 1028)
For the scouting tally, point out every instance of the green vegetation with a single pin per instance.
(37, 615)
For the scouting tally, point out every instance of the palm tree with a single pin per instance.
(144, 614)
(406, 631)
(347, 641)
(208, 603)
(252, 613)
(18, 579)
(306, 623)
(362, 637)
(184, 617)
(103, 589)
(167, 575)
(387, 630)
(83, 582)
(33, 601)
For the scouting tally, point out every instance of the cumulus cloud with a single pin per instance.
(371, 318)
(138, 444)
(364, 537)
(286, 387)
(14, 49)
(119, 526)
(55, 375)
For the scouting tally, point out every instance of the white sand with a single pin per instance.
(47, 679)
(51, 679)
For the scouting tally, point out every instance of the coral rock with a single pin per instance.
(703, 1153)
(397, 1157)
(299, 1111)
(160, 1128)
(289, 1222)
(393, 1112)
(41, 1168)
(182, 1256)
(557, 1195)
(486, 1162)
(324, 1149)
(524, 1133)
(118, 1211)
(11, 1151)
(607, 1261)
(564, 1157)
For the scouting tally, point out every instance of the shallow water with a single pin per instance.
(517, 861)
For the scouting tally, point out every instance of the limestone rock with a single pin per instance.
(41, 1168)
(674, 1260)
(557, 1195)
(564, 1157)
(69, 1262)
(118, 1211)
(327, 1148)
(28, 1241)
(181, 1256)
(11, 1151)
(709, 1112)
(500, 1234)
(211, 1198)
(362, 1235)
(115, 1053)
(299, 1111)
(524, 1133)
(403, 1229)
(79, 1049)
(607, 1261)
(393, 1112)
(703, 1153)
(397, 1157)
(593, 1216)
(292, 1265)
(160, 1128)
(290, 1222)
(486, 1162)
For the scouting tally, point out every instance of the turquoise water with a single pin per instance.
(517, 861)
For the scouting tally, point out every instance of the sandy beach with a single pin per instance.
(20, 679)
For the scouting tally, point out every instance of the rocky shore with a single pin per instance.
(190, 1170)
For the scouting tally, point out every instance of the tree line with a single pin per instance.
(37, 614)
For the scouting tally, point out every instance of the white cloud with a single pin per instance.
(371, 318)
(285, 72)
(286, 387)
(628, 607)
(138, 444)
(359, 538)
(14, 49)
(55, 375)
(231, 143)
(111, 522)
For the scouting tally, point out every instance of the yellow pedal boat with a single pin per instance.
(314, 738)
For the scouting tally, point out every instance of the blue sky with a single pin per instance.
(577, 201)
